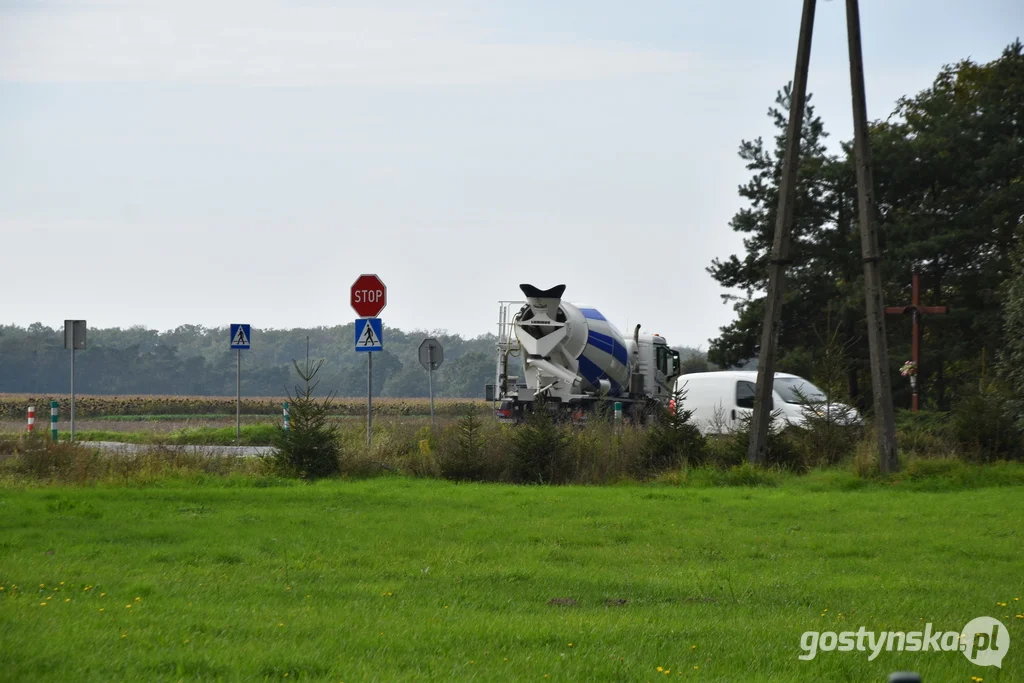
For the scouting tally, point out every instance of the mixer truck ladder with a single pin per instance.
(508, 345)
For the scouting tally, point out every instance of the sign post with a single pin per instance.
(74, 339)
(240, 340)
(368, 298)
(431, 356)
(369, 338)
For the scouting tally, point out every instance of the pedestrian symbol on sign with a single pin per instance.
(368, 337)
(241, 336)
(369, 334)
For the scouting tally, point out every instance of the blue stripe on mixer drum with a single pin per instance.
(608, 345)
(592, 314)
(593, 374)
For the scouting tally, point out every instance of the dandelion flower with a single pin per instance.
(67, 599)
(124, 635)
(693, 647)
(62, 583)
(281, 624)
(570, 644)
(42, 585)
(138, 599)
(103, 595)
(660, 669)
(42, 604)
(101, 609)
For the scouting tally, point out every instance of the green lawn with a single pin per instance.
(399, 579)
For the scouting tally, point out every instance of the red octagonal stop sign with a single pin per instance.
(369, 296)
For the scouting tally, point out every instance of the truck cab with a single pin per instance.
(657, 366)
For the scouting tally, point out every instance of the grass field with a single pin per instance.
(402, 579)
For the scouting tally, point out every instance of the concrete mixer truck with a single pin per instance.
(575, 359)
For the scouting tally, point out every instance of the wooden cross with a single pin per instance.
(916, 309)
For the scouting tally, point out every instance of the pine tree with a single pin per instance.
(308, 449)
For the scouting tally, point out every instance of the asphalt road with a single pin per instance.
(127, 448)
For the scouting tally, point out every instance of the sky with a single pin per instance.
(170, 163)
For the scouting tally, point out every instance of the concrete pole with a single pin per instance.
(761, 417)
(884, 419)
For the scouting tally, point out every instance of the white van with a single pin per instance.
(721, 400)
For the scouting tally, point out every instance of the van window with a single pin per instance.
(796, 390)
(745, 396)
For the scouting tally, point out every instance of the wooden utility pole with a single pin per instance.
(761, 417)
(884, 421)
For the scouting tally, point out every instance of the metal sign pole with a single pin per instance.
(369, 399)
(430, 383)
(72, 394)
(238, 393)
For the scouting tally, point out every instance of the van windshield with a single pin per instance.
(790, 389)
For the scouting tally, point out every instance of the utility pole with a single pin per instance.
(884, 420)
(761, 417)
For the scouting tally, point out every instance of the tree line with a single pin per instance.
(197, 360)
(948, 166)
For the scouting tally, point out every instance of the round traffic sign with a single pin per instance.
(369, 296)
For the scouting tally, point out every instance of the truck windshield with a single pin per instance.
(791, 389)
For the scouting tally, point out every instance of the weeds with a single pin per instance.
(34, 457)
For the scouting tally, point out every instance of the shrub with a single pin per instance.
(829, 431)
(539, 449)
(672, 439)
(984, 425)
(462, 456)
(783, 449)
(309, 448)
(926, 434)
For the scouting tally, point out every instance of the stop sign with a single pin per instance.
(369, 296)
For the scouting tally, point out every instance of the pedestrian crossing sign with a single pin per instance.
(240, 336)
(369, 335)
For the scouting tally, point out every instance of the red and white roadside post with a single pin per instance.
(31, 418)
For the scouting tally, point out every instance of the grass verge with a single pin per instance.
(400, 579)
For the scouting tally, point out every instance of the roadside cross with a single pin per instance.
(916, 309)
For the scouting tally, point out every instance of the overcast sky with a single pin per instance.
(164, 163)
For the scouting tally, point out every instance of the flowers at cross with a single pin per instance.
(909, 369)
